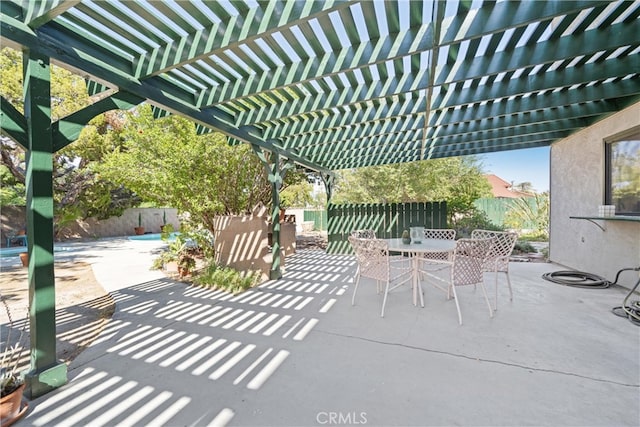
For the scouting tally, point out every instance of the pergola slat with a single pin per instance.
(298, 77)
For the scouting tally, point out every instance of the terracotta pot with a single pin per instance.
(139, 230)
(24, 258)
(183, 272)
(11, 408)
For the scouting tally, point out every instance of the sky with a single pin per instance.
(529, 165)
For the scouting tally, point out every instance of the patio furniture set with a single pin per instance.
(433, 256)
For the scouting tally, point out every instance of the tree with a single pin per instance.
(164, 161)
(524, 187)
(77, 191)
(12, 192)
(457, 180)
(297, 195)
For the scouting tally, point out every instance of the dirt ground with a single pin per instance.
(83, 308)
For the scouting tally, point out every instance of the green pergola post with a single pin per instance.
(46, 372)
(276, 173)
(328, 179)
(276, 183)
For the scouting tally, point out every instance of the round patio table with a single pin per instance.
(415, 249)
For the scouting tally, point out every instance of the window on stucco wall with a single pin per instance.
(622, 170)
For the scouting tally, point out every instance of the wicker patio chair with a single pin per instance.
(374, 262)
(498, 259)
(364, 234)
(465, 268)
(439, 233)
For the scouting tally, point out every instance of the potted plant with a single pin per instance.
(139, 230)
(11, 381)
(186, 264)
(181, 252)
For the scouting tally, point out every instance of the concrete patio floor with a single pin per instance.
(294, 352)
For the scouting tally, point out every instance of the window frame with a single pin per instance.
(608, 143)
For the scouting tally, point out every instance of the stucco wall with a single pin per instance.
(577, 189)
(242, 242)
(13, 219)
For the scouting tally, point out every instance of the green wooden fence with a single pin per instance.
(497, 208)
(387, 219)
(318, 217)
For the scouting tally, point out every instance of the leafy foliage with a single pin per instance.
(78, 192)
(166, 162)
(12, 191)
(474, 220)
(523, 247)
(531, 210)
(181, 250)
(226, 278)
(457, 180)
(297, 195)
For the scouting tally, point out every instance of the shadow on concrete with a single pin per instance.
(295, 352)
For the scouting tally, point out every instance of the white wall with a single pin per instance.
(577, 189)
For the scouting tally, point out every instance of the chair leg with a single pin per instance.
(509, 283)
(455, 297)
(486, 298)
(355, 288)
(384, 299)
(495, 274)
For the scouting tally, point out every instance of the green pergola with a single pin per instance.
(328, 85)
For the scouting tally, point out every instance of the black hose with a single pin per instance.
(577, 279)
(632, 310)
(580, 279)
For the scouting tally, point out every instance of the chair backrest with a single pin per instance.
(356, 244)
(468, 260)
(504, 243)
(364, 234)
(440, 233)
(372, 256)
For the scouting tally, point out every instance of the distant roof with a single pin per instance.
(334, 84)
(502, 188)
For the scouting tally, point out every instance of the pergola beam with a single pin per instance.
(67, 129)
(13, 124)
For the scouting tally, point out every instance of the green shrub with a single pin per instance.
(523, 247)
(225, 278)
(536, 236)
(181, 250)
(477, 220)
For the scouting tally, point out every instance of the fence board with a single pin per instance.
(497, 208)
(387, 219)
